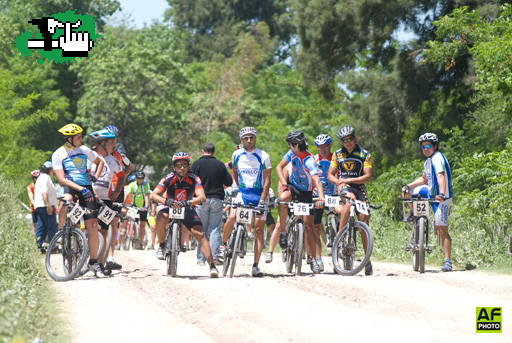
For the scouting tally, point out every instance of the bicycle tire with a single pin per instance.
(414, 251)
(290, 248)
(72, 253)
(172, 254)
(108, 242)
(101, 242)
(299, 252)
(237, 247)
(227, 259)
(421, 245)
(332, 228)
(345, 249)
(136, 243)
(127, 239)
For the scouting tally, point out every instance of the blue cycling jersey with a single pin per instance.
(303, 167)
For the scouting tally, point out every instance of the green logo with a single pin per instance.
(60, 37)
(488, 319)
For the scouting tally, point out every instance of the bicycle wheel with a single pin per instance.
(414, 255)
(290, 249)
(136, 243)
(228, 253)
(299, 251)
(348, 255)
(101, 242)
(172, 253)
(108, 242)
(237, 247)
(127, 239)
(332, 227)
(66, 254)
(421, 245)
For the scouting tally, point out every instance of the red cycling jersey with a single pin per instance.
(180, 190)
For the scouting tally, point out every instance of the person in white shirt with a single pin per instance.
(45, 200)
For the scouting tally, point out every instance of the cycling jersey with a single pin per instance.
(125, 163)
(351, 165)
(434, 165)
(74, 163)
(324, 164)
(102, 185)
(303, 167)
(138, 192)
(179, 190)
(250, 167)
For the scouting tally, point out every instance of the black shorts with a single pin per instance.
(120, 198)
(90, 205)
(360, 194)
(318, 213)
(191, 218)
(143, 216)
(270, 219)
(34, 217)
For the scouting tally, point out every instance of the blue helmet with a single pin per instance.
(101, 135)
(131, 177)
(322, 139)
(112, 129)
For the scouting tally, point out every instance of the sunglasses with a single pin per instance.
(180, 165)
(426, 146)
(348, 139)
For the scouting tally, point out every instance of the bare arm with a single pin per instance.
(441, 181)
(30, 196)
(100, 162)
(332, 175)
(61, 179)
(280, 173)
(266, 184)
(235, 174)
(365, 178)
(199, 198)
(318, 185)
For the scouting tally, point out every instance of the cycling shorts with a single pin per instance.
(191, 217)
(90, 205)
(441, 209)
(240, 199)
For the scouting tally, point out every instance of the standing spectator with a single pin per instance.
(45, 200)
(214, 176)
(30, 192)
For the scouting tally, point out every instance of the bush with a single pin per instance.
(25, 310)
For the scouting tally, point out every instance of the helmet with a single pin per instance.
(431, 137)
(131, 177)
(179, 156)
(35, 173)
(101, 135)
(248, 130)
(45, 168)
(111, 129)
(345, 131)
(47, 164)
(70, 130)
(139, 174)
(322, 139)
(295, 137)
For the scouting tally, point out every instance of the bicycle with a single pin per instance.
(331, 222)
(294, 250)
(348, 254)
(173, 238)
(418, 242)
(68, 250)
(131, 237)
(237, 243)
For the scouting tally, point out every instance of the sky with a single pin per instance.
(142, 11)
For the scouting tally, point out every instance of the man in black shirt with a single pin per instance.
(214, 176)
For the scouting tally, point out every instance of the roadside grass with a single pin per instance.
(27, 300)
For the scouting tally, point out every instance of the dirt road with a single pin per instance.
(142, 304)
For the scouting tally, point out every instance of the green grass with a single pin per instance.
(27, 301)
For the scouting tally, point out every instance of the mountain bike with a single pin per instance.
(331, 222)
(349, 256)
(131, 236)
(237, 243)
(68, 250)
(173, 238)
(418, 242)
(294, 251)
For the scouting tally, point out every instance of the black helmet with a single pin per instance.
(345, 131)
(295, 137)
(140, 174)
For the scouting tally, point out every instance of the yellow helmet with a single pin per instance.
(70, 130)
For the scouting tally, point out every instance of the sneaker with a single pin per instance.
(447, 265)
(214, 273)
(268, 257)
(250, 235)
(160, 252)
(256, 272)
(201, 263)
(150, 247)
(309, 260)
(218, 261)
(368, 269)
(315, 268)
(409, 218)
(283, 240)
(107, 271)
(320, 265)
(97, 269)
(183, 248)
(113, 265)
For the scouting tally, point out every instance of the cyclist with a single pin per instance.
(435, 182)
(30, 192)
(304, 176)
(181, 188)
(350, 170)
(251, 172)
(70, 167)
(323, 160)
(140, 191)
(104, 142)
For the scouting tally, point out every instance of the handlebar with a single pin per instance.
(352, 202)
(417, 199)
(256, 209)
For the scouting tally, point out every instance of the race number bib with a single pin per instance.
(243, 215)
(362, 207)
(301, 209)
(177, 213)
(106, 214)
(420, 208)
(133, 213)
(331, 201)
(76, 213)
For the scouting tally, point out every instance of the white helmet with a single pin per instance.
(248, 130)
(322, 139)
(430, 137)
